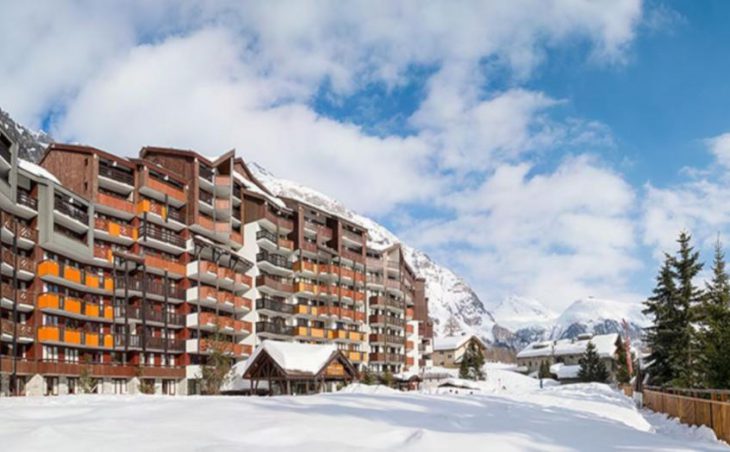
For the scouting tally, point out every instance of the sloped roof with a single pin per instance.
(294, 357)
(454, 342)
(605, 347)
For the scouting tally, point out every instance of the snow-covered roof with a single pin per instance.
(454, 342)
(36, 170)
(605, 346)
(459, 383)
(293, 356)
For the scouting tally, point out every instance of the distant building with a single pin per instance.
(563, 356)
(448, 351)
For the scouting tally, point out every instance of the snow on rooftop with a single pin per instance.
(36, 170)
(453, 342)
(564, 371)
(605, 346)
(256, 189)
(460, 383)
(293, 356)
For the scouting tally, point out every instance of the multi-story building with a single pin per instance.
(132, 271)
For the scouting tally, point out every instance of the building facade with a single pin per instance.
(449, 351)
(131, 271)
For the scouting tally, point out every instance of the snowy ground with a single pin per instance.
(518, 417)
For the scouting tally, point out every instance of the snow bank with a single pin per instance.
(359, 388)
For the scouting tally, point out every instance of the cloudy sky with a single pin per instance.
(551, 149)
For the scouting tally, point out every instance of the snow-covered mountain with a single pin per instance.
(599, 316)
(32, 143)
(515, 313)
(448, 294)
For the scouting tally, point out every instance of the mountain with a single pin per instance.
(448, 294)
(32, 144)
(599, 316)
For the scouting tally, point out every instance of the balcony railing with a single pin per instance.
(113, 228)
(387, 358)
(386, 302)
(387, 338)
(206, 173)
(154, 343)
(73, 305)
(274, 305)
(273, 328)
(283, 285)
(23, 231)
(23, 296)
(25, 199)
(389, 320)
(153, 287)
(206, 197)
(24, 263)
(115, 202)
(150, 315)
(72, 211)
(116, 174)
(161, 234)
(77, 337)
(8, 327)
(274, 259)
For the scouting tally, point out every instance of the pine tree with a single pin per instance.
(472, 363)
(714, 316)
(660, 335)
(367, 377)
(591, 366)
(544, 370)
(684, 355)
(622, 368)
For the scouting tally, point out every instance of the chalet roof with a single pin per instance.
(454, 342)
(293, 357)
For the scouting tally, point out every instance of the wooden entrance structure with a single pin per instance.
(290, 381)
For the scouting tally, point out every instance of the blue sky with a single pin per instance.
(549, 149)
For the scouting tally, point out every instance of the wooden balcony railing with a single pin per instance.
(386, 320)
(7, 327)
(23, 296)
(273, 328)
(387, 338)
(283, 285)
(274, 306)
(22, 230)
(387, 358)
(25, 263)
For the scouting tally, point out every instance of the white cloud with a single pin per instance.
(557, 236)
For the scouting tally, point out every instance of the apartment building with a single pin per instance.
(132, 270)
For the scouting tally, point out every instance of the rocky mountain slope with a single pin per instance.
(32, 144)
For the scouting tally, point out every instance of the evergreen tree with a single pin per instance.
(387, 378)
(714, 316)
(544, 370)
(660, 335)
(622, 368)
(684, 355)
(472, 363)
(591, 366)
(367, 377)
(215, 372)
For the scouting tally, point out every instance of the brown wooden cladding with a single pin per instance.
(693, 411)
(25, 367)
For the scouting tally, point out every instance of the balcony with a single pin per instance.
(270, 328)
(352, 236)
(352, 256)
(114, 204)
(162, 238)
(115, 232)
(23, 297)
(211, 322)
(305, 267)
(27, 236)
(150, 316)
(8, 329)
(116, 176)
(310, 333)
(152, 287)
(356, 357)
(393, 284)
(75, 308)
(272, 242)
(386, 302)
(166, 215)
(387, 358)
(386, 320)
(266, 283)
(270, 306)
(160, 189)
(345, 335)
(27, 200)
(275, 221)
(135, 342)
(79, 338)
(207, 346)
(72, 211)
(23, 264)
(174, 267)
(206, 173)
(389, 339)
(206, 198)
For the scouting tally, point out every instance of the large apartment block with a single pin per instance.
(132, 270)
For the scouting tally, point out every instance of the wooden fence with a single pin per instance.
(709, 408)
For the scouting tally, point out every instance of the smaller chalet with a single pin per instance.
(291, 368)
(448, 351)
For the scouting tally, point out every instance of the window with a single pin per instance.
(51, 386)
(73, 385)
(168, 387)
(50, 353)
(72, 355)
